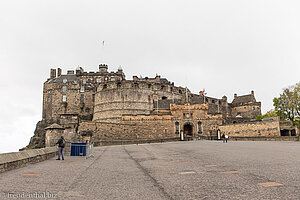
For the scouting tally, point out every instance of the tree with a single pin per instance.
(287, 105)
(270, 113)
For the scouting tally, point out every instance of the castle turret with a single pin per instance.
(103, 68)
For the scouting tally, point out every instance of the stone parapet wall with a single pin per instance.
(252, 129)
(262, 138)
(9, 161)
(140, 141)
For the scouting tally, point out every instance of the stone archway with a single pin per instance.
(188, 130)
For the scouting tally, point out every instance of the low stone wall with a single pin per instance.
(9, 161)
(262, 138)
(140, 141)
(252, 129)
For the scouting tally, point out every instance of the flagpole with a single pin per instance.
(103, 52)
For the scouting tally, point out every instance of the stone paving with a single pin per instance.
(177, 170)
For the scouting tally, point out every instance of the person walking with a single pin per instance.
(223, 137)
(61, 145)
(226, 138)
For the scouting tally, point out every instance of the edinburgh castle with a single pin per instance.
(105, 106)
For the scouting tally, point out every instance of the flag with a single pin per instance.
(103, 43)
(203, 90)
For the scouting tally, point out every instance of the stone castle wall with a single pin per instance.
(252, 129)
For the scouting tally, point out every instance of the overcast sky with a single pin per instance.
(224, 46)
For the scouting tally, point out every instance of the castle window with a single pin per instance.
(180, 92)
(200, 127)
(104, 86)
(213, 101)
(149, 85)
(84, 81)
(164, 97)
(64, 88)
(177, 127)
(82, 98)
(82, 89)
(98, 80)
(93, 97)
(119, 85)
(64, 98)
(65, 80)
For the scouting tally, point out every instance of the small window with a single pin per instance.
(93, 97)
(164, 97)
(177, 127)
(64, 99)
(64, 88)
(199, 127)
(98, 80)
(82, 89)
(65, 80)
(82, 98)
(84, 81)
(213, 101)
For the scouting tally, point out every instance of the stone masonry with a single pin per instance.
(105, 105)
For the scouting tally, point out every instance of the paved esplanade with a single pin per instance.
(179, 170)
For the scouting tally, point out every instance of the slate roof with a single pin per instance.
(69, 77)
(243, 99)
(164, 104)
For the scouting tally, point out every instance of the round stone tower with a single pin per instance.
(114, 99)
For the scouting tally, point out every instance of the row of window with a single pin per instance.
(98, 80)
(64, 98)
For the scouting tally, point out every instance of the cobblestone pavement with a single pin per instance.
(177, 170)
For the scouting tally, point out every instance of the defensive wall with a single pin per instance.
(9, 161)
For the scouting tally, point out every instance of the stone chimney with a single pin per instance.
(135, 78)
(224, 98)
(235, 96)
(52, 73)
(157, 78)
(58, 72)
(252, 93)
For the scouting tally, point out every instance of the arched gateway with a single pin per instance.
(188, 130)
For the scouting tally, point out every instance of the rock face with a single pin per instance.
(38, 139)
(104, 105)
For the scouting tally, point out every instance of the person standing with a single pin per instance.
(223, 137)
(61, 145)
(226, 138)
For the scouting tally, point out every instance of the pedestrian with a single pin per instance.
(223, 137)
(61, 145)
(226, 138)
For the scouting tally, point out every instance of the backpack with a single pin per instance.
(63, 143)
